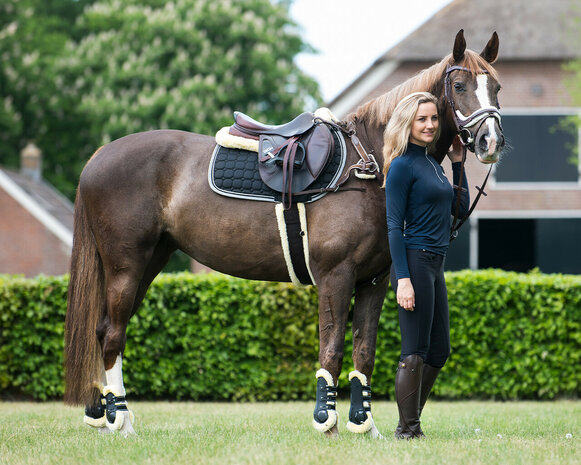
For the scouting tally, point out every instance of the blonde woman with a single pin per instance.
(420, 202)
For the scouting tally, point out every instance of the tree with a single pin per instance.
(32, 34)
(184, 64)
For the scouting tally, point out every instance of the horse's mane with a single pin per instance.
(379, 110)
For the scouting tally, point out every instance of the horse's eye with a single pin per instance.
(459, 87)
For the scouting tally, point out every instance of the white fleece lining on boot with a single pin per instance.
(333, 417)
(368, 423)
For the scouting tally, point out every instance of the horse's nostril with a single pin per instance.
(483, 144)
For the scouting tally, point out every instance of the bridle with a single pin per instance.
(476, 119)
(467, 137)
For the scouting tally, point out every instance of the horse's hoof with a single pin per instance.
(123, 423)
(332, 433)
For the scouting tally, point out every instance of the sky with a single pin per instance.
(351, 34)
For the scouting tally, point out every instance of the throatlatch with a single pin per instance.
(325, 415)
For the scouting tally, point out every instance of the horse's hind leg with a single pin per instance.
(126, 289)
(368, 302)
(334, 301)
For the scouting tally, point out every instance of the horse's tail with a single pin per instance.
(86, 302)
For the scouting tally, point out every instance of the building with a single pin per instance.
(36, 221)
(532, 214)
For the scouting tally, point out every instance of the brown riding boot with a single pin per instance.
(408, 381)
(429, 375)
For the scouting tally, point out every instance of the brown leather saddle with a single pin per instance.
(291, 156)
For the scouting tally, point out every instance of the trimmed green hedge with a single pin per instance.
(514, 336)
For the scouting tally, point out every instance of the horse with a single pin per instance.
(145, 195)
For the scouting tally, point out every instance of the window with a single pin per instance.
(542, 150)
(551, 244)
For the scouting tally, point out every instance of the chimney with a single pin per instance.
(31, 162)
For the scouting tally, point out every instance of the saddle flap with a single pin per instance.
(316, 145)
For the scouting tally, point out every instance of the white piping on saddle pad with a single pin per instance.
(284, 242)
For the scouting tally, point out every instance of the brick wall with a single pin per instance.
(26, 246)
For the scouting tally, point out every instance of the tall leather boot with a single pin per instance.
(429, 375)
(408, 381)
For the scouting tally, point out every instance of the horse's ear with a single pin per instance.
(459, 46)
(490, 52)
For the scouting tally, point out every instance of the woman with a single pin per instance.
(420, 201)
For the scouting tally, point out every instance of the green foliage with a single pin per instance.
(32, 34)
(213, 337)
(79, 73)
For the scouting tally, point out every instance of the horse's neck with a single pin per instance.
(371, 137)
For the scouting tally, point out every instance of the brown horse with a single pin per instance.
(142, 197)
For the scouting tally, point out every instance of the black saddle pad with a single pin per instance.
(234, 173)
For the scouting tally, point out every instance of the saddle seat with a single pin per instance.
(245, 126)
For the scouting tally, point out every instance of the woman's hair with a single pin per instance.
(398, 129)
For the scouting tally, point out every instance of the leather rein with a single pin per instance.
(467, 138)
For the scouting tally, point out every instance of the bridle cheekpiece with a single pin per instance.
(476, 119)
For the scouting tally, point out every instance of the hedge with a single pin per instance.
(213, 337)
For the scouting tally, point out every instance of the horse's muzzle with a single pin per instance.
(489, 142)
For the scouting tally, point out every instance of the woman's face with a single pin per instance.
(425, 124)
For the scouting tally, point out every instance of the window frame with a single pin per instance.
(546, 185)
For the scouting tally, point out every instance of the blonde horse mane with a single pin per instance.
(379, 110)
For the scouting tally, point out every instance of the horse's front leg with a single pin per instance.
(368, 302)
(334, 300)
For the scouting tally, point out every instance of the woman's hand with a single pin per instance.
(406, 297)
(455, 150)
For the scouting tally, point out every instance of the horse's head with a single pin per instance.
(471, 93)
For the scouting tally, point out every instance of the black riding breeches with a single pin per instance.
(426, 330)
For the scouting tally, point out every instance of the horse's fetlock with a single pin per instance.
(95, 414)
(115, 406)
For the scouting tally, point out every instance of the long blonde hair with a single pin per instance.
(397, 132)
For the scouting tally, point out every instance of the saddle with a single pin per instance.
(291, 156)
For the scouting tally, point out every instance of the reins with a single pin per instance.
(467, 140)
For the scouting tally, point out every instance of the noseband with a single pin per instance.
(476, 119)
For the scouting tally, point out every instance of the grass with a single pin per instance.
(280, 433)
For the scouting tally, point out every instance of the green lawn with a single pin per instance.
(525, 433)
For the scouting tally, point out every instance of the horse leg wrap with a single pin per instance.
(116, 407)
(325, 415)
(95, 415)
(360, 419)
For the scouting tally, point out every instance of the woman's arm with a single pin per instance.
(455, 156)
(397, 187)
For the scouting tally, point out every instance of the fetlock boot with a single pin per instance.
(408, 381)
(429, 375)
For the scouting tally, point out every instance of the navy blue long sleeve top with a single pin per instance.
(420, 203)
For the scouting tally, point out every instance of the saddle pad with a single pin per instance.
(234, 173)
